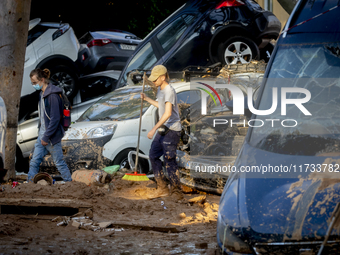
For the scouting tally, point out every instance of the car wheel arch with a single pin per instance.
(64, 65)
(58, 60)
(125, 151)
(224, 33)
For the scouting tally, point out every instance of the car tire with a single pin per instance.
(266, 52)
(66, 79)
(238, 49)
(21, 163)
(122, 160)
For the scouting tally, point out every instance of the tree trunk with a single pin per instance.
(14, 20)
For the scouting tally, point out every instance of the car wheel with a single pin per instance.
(266, 52)
(66, 79)
(122, 161)
(238, 50)
(21, 163)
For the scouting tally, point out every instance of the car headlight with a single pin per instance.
(101, 131)
(227, 239)
(228, 209)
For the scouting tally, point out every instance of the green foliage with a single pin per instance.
(138, 17)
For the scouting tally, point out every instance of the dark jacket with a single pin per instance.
(54, 131)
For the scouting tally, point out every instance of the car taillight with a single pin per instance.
(98, 42)
(229, 3)
(62, 30)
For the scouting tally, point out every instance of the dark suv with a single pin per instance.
(283, 195)
(204, 32)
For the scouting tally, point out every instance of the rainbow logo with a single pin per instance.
(213, 90)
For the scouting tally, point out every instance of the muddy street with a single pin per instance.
(108, 219)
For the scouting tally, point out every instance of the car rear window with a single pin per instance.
(85, 38)
(315, 68)
(36, 32)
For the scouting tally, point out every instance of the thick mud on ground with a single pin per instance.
(120, 221)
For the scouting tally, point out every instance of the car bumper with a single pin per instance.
(104, 58)
(80, 154)
(203, 172)
(268, 25)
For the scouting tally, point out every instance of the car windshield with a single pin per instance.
(122, 104)
(315, 68)
(143, 60)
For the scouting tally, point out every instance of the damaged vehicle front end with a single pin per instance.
(211, 145)
(106, 132)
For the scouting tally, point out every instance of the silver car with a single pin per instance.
(91, 88)
(3, 123)
(110, 50)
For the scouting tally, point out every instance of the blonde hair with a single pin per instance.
(41, 74)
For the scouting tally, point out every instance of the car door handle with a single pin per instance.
(27, 60)
(144, 130)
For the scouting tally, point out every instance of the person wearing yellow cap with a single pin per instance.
(168, 131)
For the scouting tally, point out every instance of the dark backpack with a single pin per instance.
(65, 118)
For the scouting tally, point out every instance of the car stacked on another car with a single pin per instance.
(110, 49)
(283, 197)
(202, 32)
(54, 46)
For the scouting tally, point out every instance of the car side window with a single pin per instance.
(95, 87)
(35, 32)
(187, 100)
(188, 97)
(189, 19)
(171, 33)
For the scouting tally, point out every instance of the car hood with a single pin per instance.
(285, 206)
(108, 73)
(79, 130)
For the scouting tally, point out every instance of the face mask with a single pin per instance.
(37, 86)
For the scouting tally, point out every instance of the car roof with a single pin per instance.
(316, 17)
(114, 35)
(35, 22)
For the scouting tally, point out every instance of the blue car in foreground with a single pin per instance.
(283, 196)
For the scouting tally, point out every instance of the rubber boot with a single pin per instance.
(176, 192)
(162, 190)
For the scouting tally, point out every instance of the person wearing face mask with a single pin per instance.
(50, 110)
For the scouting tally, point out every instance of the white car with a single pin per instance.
(92, 87)
(56, 47)
(3, 121)
(108, 130)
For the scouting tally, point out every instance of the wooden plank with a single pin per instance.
(164, 229)
(44, 202)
